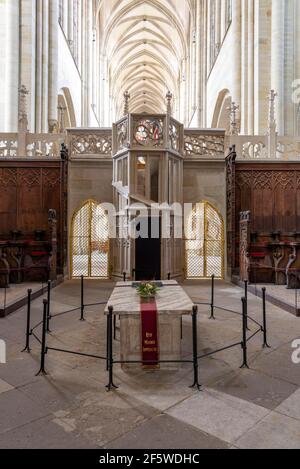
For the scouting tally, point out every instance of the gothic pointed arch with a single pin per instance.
(221, 116)
(204, 244)
(89, 241)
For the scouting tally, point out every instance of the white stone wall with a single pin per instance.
(206, 181)
(260, 52)
(9, 63)
(220, 78)
(36, 52)
(69, 76)
(88, 180)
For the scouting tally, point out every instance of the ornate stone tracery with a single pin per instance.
(91, 144)
(199, 145)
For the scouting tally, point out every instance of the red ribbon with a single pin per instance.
(149, 325)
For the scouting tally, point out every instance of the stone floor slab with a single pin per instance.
(256, 387)
(291, 406)
(164, 432)
(5, 387)
(102, 417)
(279, 365)
(218, 414)
(42, 434)
(276, 431)
(16, 409)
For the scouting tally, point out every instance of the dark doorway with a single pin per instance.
(148, 252)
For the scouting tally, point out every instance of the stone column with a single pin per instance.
(53, 63)
(198, 65)
(236, 51)
(28, 56)
(244, 69)
(250, 106)
(290, 64)
(277, 59)
(218, 23)
(297, 101)
(9, 60)
(38, 67)
(45, 66)
(70, 21)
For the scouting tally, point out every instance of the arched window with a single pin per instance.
(204, 242)
(90, 242)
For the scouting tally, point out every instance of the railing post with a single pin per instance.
(44, 336)
(115, 327)
(82, 299)
(5, 299)
(28, 332)
(244, 343)
(181, 327)
(48, 305)
(265, 344)
(107, 342)
(246, 298)
(212, 304)
(195, 348)
(110, 385)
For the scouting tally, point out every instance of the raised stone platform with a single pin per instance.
(14, 297)
(278, 295)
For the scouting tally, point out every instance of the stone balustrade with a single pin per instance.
(24, 144)
(249, 147)
(203, 144)
(198, 144)
(89, 143)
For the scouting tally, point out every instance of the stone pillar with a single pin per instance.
(244, 68)
(70, 23)
(297, 42)
(198, 65)
(9, 60)
(250, 106)
(290, 64)
(38, 67)
(236, 51)
(90, 59)
(277, 59)
(45, 66)
(53, 64)
(28, 56)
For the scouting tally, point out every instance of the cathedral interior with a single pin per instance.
(111, 105)
(109, 83)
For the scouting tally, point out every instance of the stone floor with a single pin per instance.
(16, 292)
(69, 408)
(280, 293)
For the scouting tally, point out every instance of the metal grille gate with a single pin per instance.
(90, 242)
(204, 243)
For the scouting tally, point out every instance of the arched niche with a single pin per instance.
(221, 117)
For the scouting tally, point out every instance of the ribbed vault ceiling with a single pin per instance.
(145, 44)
